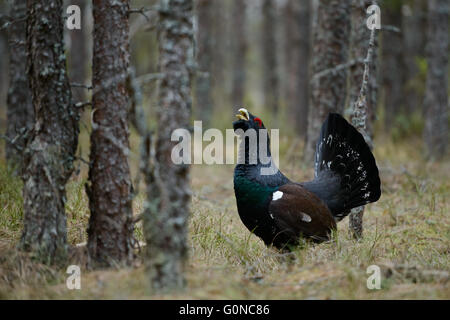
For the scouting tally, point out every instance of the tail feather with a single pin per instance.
(346, 166)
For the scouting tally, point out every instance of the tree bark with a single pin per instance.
(203, 106)
(167, 212)
(360, 38)
(330, 49)
(414, 42)
(239, 47)
(3, 53)
(20, 113)
(78, 54)
(49, 156)
(110, 228)
(298, 29)
(269, 64)
(362, 103)
(436, 95)
(219, 45)
(392, 63)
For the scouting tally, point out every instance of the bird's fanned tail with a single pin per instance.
(346, 175)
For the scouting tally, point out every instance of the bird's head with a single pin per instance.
(247, 121)
(254, 147)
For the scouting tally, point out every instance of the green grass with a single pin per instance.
(406, 233)
(11, 211)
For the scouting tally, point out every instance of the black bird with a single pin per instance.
(280, 211)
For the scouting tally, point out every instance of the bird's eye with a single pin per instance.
(258, 120)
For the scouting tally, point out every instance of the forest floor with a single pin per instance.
(406, 233)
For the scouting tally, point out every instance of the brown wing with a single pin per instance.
(297, 211)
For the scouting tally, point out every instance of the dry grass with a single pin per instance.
(406, 233)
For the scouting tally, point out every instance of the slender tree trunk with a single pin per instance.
(298, 29)
(166, 218)
(359, 38)
(330, 49)
(392, 63)
(204, 52)
(4, 6)
(219, 45)
(49, 157)
(239, 45)
(436, 94)
(20, 113)
(269, 65)
(414, 41)
(362, 87)
(78, 54)
(109, 189)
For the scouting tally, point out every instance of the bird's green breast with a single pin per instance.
(251, 193)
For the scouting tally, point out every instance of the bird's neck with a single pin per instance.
(254, 149)
(255, 163)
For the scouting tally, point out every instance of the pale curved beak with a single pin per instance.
(243, 114)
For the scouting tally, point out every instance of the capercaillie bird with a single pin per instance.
(281, 211)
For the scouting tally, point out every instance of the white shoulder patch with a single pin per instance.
(306, 217)
(277, 195)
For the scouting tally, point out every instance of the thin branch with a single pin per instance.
(12, 142)
(8, 24)
(149, 77)
(17, 43)
(336, 69)
(142, 11)
(391, 28)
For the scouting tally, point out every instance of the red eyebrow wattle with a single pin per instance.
(259, 121)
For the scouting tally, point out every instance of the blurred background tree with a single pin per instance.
(78, 52)
(330, 48)
(3, 51)
(297, 45)
(436, 92)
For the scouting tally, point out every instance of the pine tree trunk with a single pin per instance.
(239, 46)
(203, 106)
(362, 91)
(219, 45)
(269, 65)
(414, 42)
(109, 189)
(298, 29)
(330, 49)
(359, 38)
(436, 94)
(78, 54)
(392, 64)
(3, 53)
(166, 217)
(49, 157)
(20, 113)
